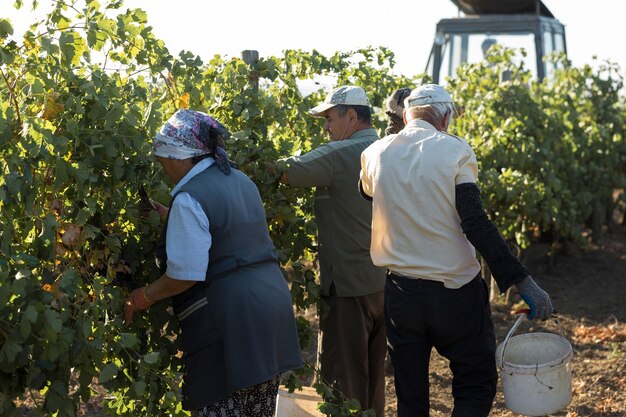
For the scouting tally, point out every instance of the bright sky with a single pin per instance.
(227, 27)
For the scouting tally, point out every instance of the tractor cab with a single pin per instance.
(524, 24)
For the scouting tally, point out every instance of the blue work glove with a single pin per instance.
(537, 299)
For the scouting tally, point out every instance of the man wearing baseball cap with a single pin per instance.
(353, 346)
(428, 219)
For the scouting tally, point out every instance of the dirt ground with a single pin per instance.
(588, 289)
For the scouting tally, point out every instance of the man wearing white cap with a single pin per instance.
(427, 220)
(353, 346)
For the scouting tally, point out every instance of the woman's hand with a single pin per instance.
(138, 300)
(144, 297)
(160, 208)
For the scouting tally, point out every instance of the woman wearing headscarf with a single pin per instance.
(221, 271)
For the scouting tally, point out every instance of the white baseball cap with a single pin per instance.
(348, 94)
(427, 94)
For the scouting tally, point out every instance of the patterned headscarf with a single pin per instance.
(190, 133)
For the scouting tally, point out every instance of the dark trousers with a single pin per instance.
(421, 314)
(353, 348)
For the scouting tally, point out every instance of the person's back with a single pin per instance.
(428, 240)
(343, 218)
(237, 216)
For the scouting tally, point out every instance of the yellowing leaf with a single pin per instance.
(64, 23)
(53, 289)
(60, 250)
(70, 235)
(51, 108)
(183, 101)
(600, 334)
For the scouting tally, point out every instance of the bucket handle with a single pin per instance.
(523, 313)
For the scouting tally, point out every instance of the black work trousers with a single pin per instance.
(353, 349)
(420, 314)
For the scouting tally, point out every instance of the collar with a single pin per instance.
(364, 133)
(420, 123)
(197, 168)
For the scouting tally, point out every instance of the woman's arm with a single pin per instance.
(164, 287)
(188, 245)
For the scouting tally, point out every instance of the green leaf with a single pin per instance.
(108, 372)
(151, 358)
(31, 313)
(139, 387)
(68, 283)
(72, 46)
(95, 38)
(54, 350)
(106, 25)
(6, 28)
(72, 127)
(25, 329)
(353, 405)
(53, 320)
(61, 177)
(10, 349)
(82, 217)
(129, 340)
(140, 15)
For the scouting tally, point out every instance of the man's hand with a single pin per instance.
(138, 300)
(277, 170)
(537, 299)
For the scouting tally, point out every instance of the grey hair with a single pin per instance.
(435, 111)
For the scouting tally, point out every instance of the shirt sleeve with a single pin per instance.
(188, 240)
(365, 181)
(313, 169)
(468, 167)
(485, 237)
(363, 193)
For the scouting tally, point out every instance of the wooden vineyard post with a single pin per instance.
(251, 58)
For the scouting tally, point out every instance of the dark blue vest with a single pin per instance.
(236, 221)
(237, 326)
